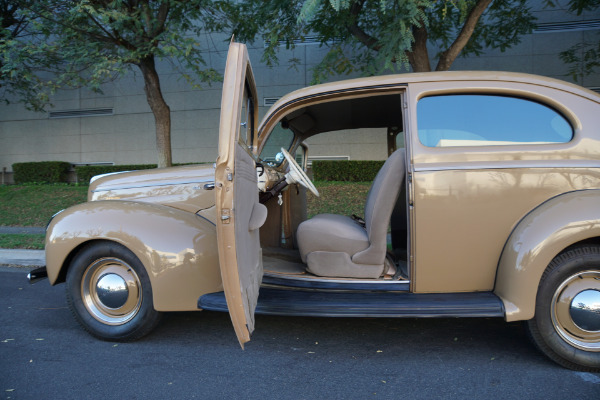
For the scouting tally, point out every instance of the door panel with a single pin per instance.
(239, 214)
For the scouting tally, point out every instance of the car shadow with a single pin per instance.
(411, 339)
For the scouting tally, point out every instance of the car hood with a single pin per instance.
(187, 188)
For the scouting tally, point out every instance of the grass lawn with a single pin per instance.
(345, 198)
(33, 205)
(21, 241)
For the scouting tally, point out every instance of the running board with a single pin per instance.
(385, 304)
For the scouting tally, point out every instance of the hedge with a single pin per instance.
(86, 172)
(349, 171)
(41, 172)
(57, 171)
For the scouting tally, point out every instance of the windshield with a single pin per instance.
(279, 137)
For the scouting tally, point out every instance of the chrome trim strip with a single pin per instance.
(95, 177)
(151, 185)
(332, 280)
(509, 164)
(52, 217)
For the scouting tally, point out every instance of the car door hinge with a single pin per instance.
(225, 215)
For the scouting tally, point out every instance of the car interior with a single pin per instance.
(328, 246)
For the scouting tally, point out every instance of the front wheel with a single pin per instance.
(109, 293)
(566, 326)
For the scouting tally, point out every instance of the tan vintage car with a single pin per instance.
(490, 209)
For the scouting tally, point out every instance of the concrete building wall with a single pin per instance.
(127, 135)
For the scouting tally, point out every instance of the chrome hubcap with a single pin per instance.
(111, 291)
(585, 310)
(576, 310)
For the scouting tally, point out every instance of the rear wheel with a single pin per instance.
(566, 326)
(109, 293)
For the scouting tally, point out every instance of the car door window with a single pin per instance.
(483, 120)
(247, 120)
(299, 156)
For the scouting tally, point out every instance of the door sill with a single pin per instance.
(275, 280)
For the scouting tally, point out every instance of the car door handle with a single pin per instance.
(209, 186)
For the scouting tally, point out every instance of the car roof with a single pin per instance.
(443, 76)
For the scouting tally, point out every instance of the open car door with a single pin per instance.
(239, 213)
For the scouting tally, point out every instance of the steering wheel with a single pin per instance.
(297, 174)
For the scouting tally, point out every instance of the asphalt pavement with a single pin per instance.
(44, 354)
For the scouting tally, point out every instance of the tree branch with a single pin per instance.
(111, 37)
(358, 32)
(448, 56)
(163, 13)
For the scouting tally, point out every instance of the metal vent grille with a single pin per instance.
(567, 26)
(308, 40)
(326, 158)
(93, 112)
(269, 101)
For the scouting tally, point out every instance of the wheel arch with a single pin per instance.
(178, 249)
(567, 220)
(63, 268)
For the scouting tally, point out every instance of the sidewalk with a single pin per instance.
(21, 256)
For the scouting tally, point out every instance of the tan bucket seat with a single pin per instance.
(338, 246)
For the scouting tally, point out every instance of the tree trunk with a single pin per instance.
(160, 109)
(418, 57)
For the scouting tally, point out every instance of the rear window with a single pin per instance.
(483, 120)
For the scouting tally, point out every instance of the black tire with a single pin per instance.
(566, 326)
(109, 293)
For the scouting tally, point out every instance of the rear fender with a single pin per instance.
(543, 234)
(177, 248)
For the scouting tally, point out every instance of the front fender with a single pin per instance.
(177, 248)
(545, 232)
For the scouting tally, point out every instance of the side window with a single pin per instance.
(484, 120)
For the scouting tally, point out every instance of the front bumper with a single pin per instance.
(37, 275)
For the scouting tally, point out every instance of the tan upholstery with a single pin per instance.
(337, 246)
(331, 232)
